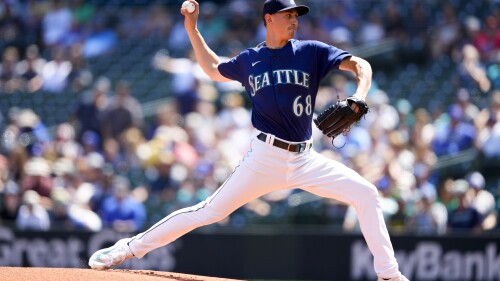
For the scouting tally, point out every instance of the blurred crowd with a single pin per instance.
(112, 166)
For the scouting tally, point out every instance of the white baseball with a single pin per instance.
(189, 6)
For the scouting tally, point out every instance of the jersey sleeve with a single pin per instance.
(330, 58)
(232, 69)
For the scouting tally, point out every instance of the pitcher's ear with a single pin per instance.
(268, 18)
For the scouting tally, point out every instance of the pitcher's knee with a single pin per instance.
(208, 213)
(369, 196)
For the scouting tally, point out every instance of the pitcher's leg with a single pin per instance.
(241, 187)
(334, 180)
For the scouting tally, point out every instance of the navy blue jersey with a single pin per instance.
(283, 83)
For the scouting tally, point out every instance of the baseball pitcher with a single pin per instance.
(281, 76)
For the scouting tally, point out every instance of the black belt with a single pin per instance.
(293, 147)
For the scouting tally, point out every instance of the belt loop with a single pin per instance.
(270, 139)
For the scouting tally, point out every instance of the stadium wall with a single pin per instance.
(301, 255)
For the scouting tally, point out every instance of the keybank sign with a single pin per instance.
(429, 261)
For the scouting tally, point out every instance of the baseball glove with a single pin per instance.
(339, 117)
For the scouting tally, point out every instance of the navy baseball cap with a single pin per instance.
(275, 6)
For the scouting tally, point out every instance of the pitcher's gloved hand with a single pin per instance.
(339, 117)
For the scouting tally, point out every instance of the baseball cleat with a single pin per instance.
(399, 278)
(112, 256)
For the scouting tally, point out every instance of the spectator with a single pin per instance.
(417, 26)
(161, 182)
(393, 21)
(95, 173)
(37, 176)
(165, 134)
(447, 195)
(101, 39)
(132, 139)
(233, 116)
(430, 216)
(454, 137)
(80, 76)
(10, 78)
(339, 36)
(91, 142)
(446, 33)
(399, 220)
(482, 200)
(11, 203)
(11, 26)
(114, 156)
(32, 134)
(465, 217)
(91, 109)
(471, 72)
(372, 31)
(159, 21)
(186, 76)
(121, 211)
(65, 144)
(487, 122)
(469, 109)
(123, 112)
(56, 71)
(132, 23)
(485, 36)
(31, 69)
(82, 12)
(69, 215)
(59, 217)
(56, 23)
(71, 198)
(32, 12)
(64, 174)
(32, 215)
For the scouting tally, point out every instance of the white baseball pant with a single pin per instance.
(268, 168)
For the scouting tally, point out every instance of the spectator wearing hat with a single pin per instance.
(37, 176)
(65, 143)
(32, 215)
(482, 200)
(464, 218)
(32, 134)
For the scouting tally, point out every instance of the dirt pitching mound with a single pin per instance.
(81, 274)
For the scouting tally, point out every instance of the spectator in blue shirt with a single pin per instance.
(456, 136)
(121, 211)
